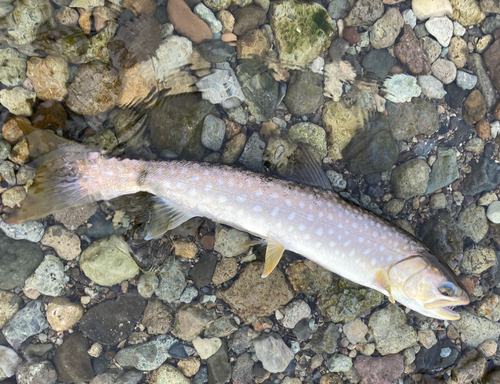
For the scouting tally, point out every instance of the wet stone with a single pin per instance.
(444, 170)
(120, 317)
(71, 361)
(325, 339)
(221, 86)
(364, 13)
(478, 259)
(29, 230)
(146, 356)
(442, 235)
(189, 367)
(253, 152)
(378, 62)
(9, 362)
(305, 93)
(249, 295)
(411, 55)
(219, 368)
(27, 322)
(157, 318)
(36, 373)
(410, 119)
(431, 48)
(18, 260)
(213, 132)
(168, 374)
(471, 366)
(248, 18)
(338, 8)
(339, 363)
(466, 80)
(355, 331)
(62, 314)
(101, 228)
(473, 223)
(484, 176)
(410, 179)
(302, 331)
(474, 108)
(65, 243)
(203, 270)
(190, 320)
(272, 351)
(225, 270)
(221, 327)
(379, 370)
(243, 369)
(49, 278)
(172, 282)
(441, 355)
(294, 312)
(9, 306)
(475, 329)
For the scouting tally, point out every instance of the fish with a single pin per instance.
(316, 223)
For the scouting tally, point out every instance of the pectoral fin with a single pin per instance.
(383, 281)
(165, 216)
(273, 255)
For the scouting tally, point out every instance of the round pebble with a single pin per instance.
(493, 212)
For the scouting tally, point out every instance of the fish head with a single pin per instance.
(425, 284)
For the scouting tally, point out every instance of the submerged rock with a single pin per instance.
(27, 322)
(272, 351)
(12, 67)
(444, 170)
(442, 235)
(305, 93)
(410, 119)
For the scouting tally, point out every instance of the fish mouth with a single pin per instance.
(442, 308)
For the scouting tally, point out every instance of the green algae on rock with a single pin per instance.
(302, 30)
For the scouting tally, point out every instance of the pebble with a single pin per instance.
(488, 348)
(424, 9)
(206, 347)
(438, 201)
(364, 13)
(204, 269)
(294, 312)
(62, 314)
(48, 279)
(146, 356)
(474, 108)
(466, 80)
(338, 8)
(409, 17)
(427, 338)
(204, 13)
(29, 230)
(186, 23)
(147, 284)
(225, 270)
(36, 373)
(172, 282)
(386, 29)
(379, 370)
(467, 12)
(213, 132)
(9, 362)
(472, 221)
(458, 52)
(65, 243)
(248, 18)
(49, 77)
(13, 67)
(408, 51)
(190, 320)
(339, 363)
(485, 85)
(444, 70)
(471, 366)
(478, 259)
(493, 212)
(253, 152)
(431, 87)
(305, 93)
(9, 306)
(228, 241)
(410, 179)
(441, 28)
(19, 101)
(189, 367)
(222, 87)
(401, 87)
(27, 322)
(475, 145)
(476, 329)
(168, 374)
(272, 351)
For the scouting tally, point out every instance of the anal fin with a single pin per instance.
(165, 216)
(274, 252)
(382, 280)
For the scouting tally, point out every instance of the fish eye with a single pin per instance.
(447, 288)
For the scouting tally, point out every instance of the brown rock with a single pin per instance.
(496, 111)
(227, 20)
(471, 366)
(483, 129)
(458, 52)
(10, 303)
(248, 18)
(254, 43)
(411, 55)
(20, 152)
(380, 370)
(84, 21)
(493, 377)
(351, 35)
(190, 366)
(140, 7)
(102, 15)
(157, 318)
(225, 270)
(67, 16)
(62, 314)
(251, 297)
(49, 115)
(49, 77)
(11, 131)
(187, 23)
(474, 108)
(72, 361)
(492, 61)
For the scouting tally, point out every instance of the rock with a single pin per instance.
(146, 356)
(203, 271)
(474, 108)
(475, 329)
(228, 241)
(248, 18)
(24, 21)
(418, 117)
(488, 348)
(9, 305)
(438, 201)
(355, 330)
(168, 374)
(36, 373)
(472, 221)
(390, 330)
(157, 318)
(94, 89)
(233, 149)
(338, 8)
(442, 235)
(65, 243)
(440, 356)
(344, 301)
(489, 307)
(120, 317)
(401, 88)
(221, 87)
(18, 260)
(493, 212)
(19, 101)
(309, 278)
(208, 16)
(409, 17)
(475, 145)
(177, 125)
(13, 197)
(172, 282)
(478, 259)
(489, 6)
(172, 54)
(492, 377)
(49, 278)
(491, 24)
(379, 370)
(484, 176)
(29, 230)
(431, 48)
(243, 369)
(302, 36)
(27, 322)
(491, 59)
(253, 152)
(458, 52)
(219, 51)
(310, 134)
(378, 62)
(213, 132)
(364, 13)
(325, 339)
(441, 28)
(190, 321)
(471, 366)
(242, 339)
(13, 67)
(410, 179)
(49, 77)
(411, 55)
(255, 43)
(186, 23)
(341, 125)
(444, 70)
(72, 218)
(272, 351)
(206, 347)
(467, 12)
(427, 338)
(444, 170)
(339, 363)
(248, 293)
(221, 327)
(108, 261)
(431, 87)
(372, 149)
(62, 314)
(9, 362)
(466, 80)
(386, 29)
(189, 367)
(260, 89)
(424, 9)
(294, 312)
(305, 93)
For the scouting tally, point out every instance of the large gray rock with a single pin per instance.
(72, 361)
(476, 329)
(409, 119)
(410, 179)
(305, 93)
(484, 176)
(146, 356)
(444, 170)
(27, 322)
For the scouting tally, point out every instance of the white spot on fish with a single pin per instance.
(275, 212)
(332, 244)
(206, 173)
(241, 198)
(249, 183)
(389, 258)
(351, 254)
(317, 245)
(319, 231)
(222, 199)
(381, 248)
(279, 224)
(375, 234)
(220, 181)
(320, 215)
(301, 204)
(291, 228)
(330, 231)
(258, 193)
(354, 225)
(180, 185)
(399, 258)
(340, 226)
(230, 183)
(192, 192)
(257, 208)
(208, 187)
(108, 174)
(288, 203)
(291, 216)
(357, 261)
(306, 236)
(347, 243)
(310, 217)
(166, 184)
(367, 251)
(195, 177)
(274, 195)
(330, 217)
(360, 239)
(373, 261)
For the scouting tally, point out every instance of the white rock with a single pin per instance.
(12, 67)
(29, 230)
(458, 29)
(493, 212)
(466, 80)
(318, 65)
(203, 12)
(424, 9)
(444, 70)
(431, 87)
(441, 28)
(495, 128)
(9, 360)
(19, 101)
(409, 18)
(207, 347)
(172, 54)
(272, 351)
(401, 88)
(221, 87)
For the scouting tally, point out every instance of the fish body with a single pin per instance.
(317, 224)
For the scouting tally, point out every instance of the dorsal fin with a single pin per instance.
(165, 216)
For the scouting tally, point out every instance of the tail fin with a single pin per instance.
(56, 186)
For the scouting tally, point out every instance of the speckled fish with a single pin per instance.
(315, 223)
